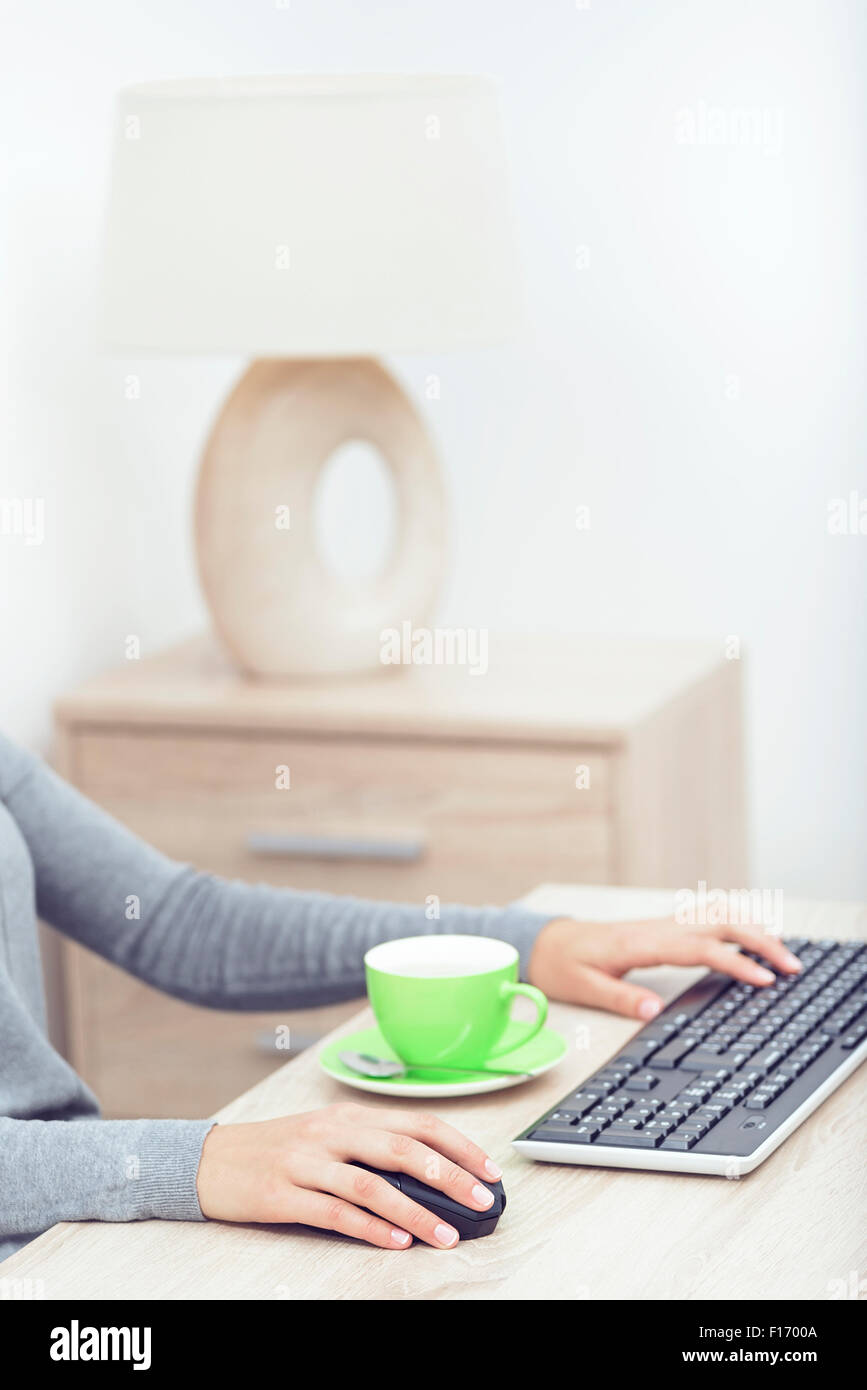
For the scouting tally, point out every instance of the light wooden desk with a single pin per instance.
(789, 1230)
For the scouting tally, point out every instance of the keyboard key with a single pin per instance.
(834, 1026)
(629, 1120)
(634, 1139)
(563, 1135)
(792, 1069)
(581, 1101)
(738, 1087)
(703, 1060)
(708, 1117)
(840, 1024)
(804, 1059)
(621, 1098)
(601, 1089)
(696, 1127)
(680, 1142)
(676, 1112)
(751, 1075)
(697, 1092)
(779, 1080)
(853, 1038)
(659, 1125)
(673, 1053)
(616, 1075)
(701, 1029)
(687, 1103)
(716, 1107)
(647, 1107)
(768, 1058)
(585, 1134)
(638, 1051)
(760, 1100)
(621, 1126)
(641, 1081)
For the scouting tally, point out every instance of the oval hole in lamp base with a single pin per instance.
(278, 609)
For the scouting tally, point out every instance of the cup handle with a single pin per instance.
(508, 991)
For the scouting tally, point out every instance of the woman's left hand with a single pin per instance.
(582, 962)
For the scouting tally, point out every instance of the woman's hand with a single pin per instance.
(581, 962)
(299, 1168)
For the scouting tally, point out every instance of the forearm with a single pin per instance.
(242, 946)
(97, 1170)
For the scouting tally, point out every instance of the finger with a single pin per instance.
(764, 944)
(331, 1213)
(355, 1188)
(400, 1153)
(603, 991)
(729, 962)
(431, 1130)
(670, 946)
(643, 944)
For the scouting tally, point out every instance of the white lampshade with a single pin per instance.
(309, 216)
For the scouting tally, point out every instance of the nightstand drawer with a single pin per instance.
(379, 818)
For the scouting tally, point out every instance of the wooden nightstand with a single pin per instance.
(572, 759)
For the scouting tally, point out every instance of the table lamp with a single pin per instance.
(310, 223)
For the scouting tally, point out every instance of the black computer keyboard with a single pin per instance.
(723, 1075)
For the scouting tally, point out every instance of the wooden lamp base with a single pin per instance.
(277, 607)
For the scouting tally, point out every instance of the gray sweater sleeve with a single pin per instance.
(229, 945)
(97, 1170)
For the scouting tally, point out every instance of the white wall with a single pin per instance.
(693, 368)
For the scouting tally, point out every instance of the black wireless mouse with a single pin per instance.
(467, 1222)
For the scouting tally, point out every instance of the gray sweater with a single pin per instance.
(221, 944)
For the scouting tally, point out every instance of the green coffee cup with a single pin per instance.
(447, 1000)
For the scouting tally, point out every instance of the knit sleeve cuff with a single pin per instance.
(168, 1164)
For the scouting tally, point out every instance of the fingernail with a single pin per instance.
(767, 977)
(492, 1170)
(792, 961)
(401, 1237)
(446, 1235)
(649, 1008)
(483, 1195)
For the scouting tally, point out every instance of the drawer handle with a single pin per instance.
(266, 1043)
(380, 851)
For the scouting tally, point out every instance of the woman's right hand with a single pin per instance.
(300, 1169)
